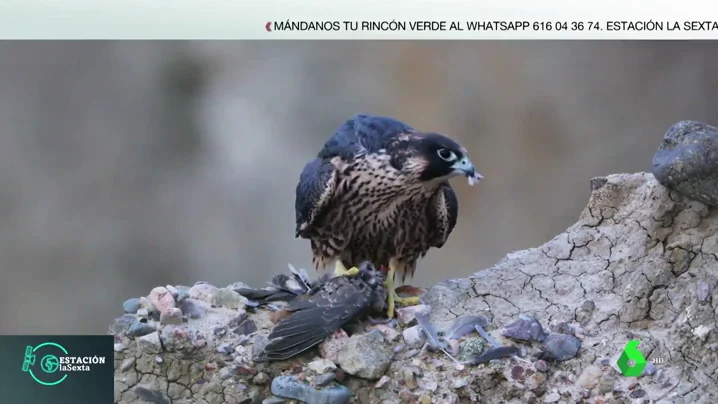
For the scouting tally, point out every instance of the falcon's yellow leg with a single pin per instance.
(392, 297)
(341, 270)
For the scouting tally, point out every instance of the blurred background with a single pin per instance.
(128, 165)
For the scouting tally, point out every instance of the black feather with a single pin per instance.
(316, 178)
(363, 134)
(324, 310)
(451, 205)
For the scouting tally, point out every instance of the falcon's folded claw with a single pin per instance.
(392, 297)
(341, 270)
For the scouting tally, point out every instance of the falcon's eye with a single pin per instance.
(446, 154)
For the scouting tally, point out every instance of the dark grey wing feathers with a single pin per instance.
(315, 189)
(450, 208)
(315, 317)
(363, 134)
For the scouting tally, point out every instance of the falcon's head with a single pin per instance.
(434, 157)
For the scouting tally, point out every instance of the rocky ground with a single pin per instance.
(640, 263)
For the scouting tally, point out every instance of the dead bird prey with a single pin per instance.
(325, 309)
(282, 288)
(379, 191)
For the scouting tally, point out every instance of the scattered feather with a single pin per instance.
(464, 326)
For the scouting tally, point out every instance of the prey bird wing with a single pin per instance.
(324, 310)
(442, 213)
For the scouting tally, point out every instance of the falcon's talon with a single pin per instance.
(340, 270)
(407, 301)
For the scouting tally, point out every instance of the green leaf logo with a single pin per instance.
(631, 353)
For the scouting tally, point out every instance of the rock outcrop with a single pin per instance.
(640, 263)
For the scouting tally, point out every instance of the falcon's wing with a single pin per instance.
(316, 186)
(363, 134)
(442, 213)
(317, 315)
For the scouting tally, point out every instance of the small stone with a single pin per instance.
(382, 382)
(649, 370)
(390, 333)
(228, 298)
(159, 359)
(406, 315)
(459, 383)
(260, 378)
(161, 299)
(409, 379)
(131, 305)
(526, 328)
(324, 379)
(173, 316)
(365, 355)
(541, 366)
(122, 324)
(561, 347)
(518, 373)
(453, 347)
(119, 346)
(140, 329)
(330, 347)
(414, 337)
(220, 331)
(260, 341)
(472, 346)
(590, 377)
(606, 384)
(703, 290)
(291, 387)
(425, 399)
(202, 291)
(225, 373)
(150, 343)
(428, 384)
(321, 366)
(127, 364)
(552, 398)
(246, 328)
(702, 331)
(237, 320)
(588, 305)
(638, 393)
(686, 160)
(274, 400)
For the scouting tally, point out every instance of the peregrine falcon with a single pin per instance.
(378, 191)
(324, 309)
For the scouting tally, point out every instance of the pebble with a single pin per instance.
(330, 347)
(649, 370)
(149, 343)
(260, 378)
(161, 299)
(473, 346)
(541, 366)
(390, 333)
(526, 328)
(409, 379)
(414, 337)
(202, 291)
(321, 366)
(172, 316)
(561, 347)
(638, 393)
(365, 355)
(606, 384)
(121, 324)
(459, 383)
(131, 305)
(687, 159)
(193, 308)
(324, 379)
(228, 298)
(247, 327)
(139, 329)
(127, 364)
(552, 398)
(703, 290)
(406, 315)
(225, 373)
(590, 377)
(291, 387)
(428, 384)
(382, 382)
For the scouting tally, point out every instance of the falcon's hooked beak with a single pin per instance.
(466, 168)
